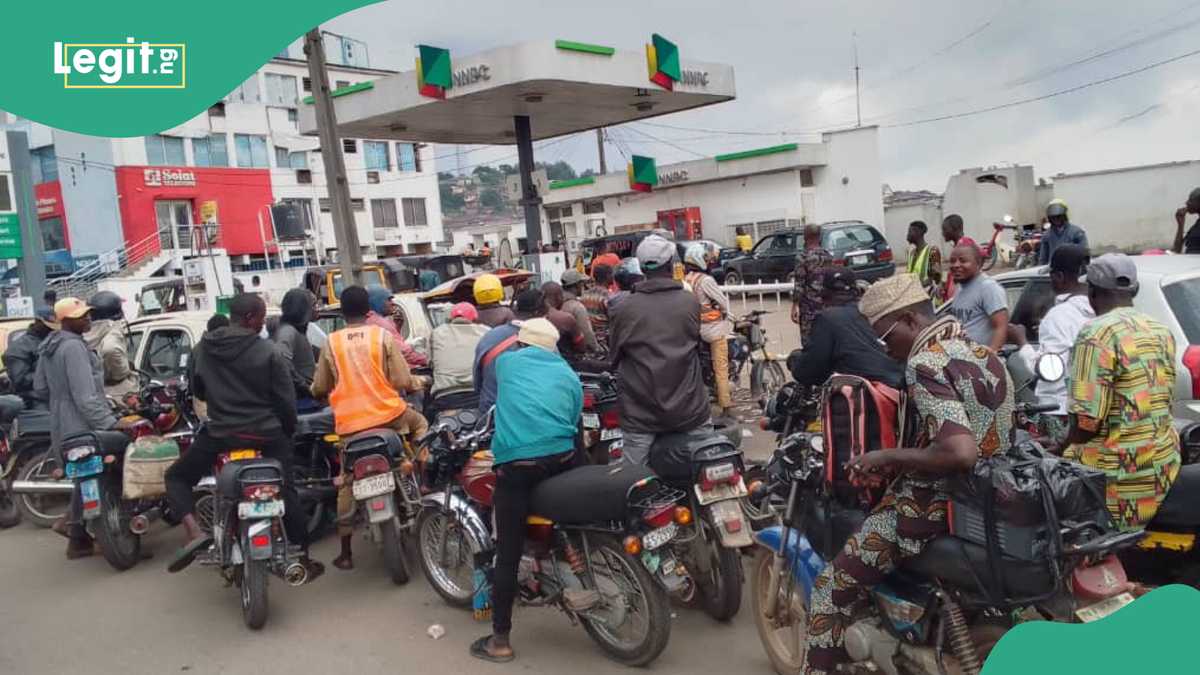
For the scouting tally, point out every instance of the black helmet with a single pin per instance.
(106, 305)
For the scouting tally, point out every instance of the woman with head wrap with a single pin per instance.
(383, 308)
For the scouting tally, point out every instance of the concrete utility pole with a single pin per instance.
(345, 231)
(32, 266)
(530, 200)
(600, 147)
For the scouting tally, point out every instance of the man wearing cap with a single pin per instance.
(963, 402)
(1057, 332)
(528, 304)
(1060, 232)
(70, 377)
(453, 359)
(806, 290)
(573, 284)
(841, 340)
(655, 340)
(21, 356)
(1189, 242)
(1122, 376)
(537, 415)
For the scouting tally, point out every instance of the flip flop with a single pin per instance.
(188, 553)
(479, 649)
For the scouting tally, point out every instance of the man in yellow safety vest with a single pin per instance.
(924, 261)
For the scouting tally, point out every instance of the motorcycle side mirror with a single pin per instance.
(1051, 367)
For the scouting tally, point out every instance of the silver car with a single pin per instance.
(1170, 293)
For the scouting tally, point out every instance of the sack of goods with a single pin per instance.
(1015, 501)
(146, 462)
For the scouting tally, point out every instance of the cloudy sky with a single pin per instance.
(920, 59)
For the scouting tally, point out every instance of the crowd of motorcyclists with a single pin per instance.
(633, 317)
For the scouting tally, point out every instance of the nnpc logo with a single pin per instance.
(121, 65)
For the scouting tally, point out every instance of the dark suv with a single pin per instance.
(852, 243)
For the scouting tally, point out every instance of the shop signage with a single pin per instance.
(121, 65)
(46, 206)
(168, 178)
(472, 75)
(10, 236)
(673, 177)
(694, 78)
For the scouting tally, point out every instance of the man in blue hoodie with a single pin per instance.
(538, 405)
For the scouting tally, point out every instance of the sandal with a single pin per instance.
(479, 649)
(345, 563)
(188, 553)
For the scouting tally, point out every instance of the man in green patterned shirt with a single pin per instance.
(1122, 376)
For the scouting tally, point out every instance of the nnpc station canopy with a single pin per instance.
(522, 93)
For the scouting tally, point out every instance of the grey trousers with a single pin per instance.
(636, 449)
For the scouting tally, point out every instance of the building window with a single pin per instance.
(593, 207)
(281, 157)
(298, 160)
(304, 176)
(414, 211)
(806, 178)
(349, 145)
(281, 89)
(210, 151)
(406, 157)
(341, 84)
(217, 109)
(52, 234)
(164, 151)
(247, 92)
(5, 194)
(383, 213)
(325, 204)
(358, 204)
(45, 164)
(375, 155)
(565, 211)
(293, 116)
(307, 83)
(373, 177)
(251, 151)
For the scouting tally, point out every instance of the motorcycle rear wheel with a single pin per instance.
(766, 378)
(784, 637)
(10, 513)
(41, 510)
(254, 593)
(393, 552)
(990, 261)
(455, 584)
(641, 596)
(121, 547)
(720, 593)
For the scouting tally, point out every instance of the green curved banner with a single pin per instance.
(134, 68)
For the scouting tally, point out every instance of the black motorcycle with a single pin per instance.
(386, 491)
(747, 344)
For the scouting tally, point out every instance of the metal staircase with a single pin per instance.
(140, 259)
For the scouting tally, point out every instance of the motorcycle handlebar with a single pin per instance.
(1034, 408)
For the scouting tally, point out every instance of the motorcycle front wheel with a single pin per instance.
(766, 378)
(10, 513)
(632, 622)
(785, 635)
(120, 546)
(446, 557)
(254, 593)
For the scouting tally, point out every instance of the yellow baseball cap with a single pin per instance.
(70, 308)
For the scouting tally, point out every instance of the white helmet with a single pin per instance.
(696, 256)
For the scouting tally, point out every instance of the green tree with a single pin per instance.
(450, 201)
(491, 198)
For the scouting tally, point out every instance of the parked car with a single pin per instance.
(1170, 293)
(852, 243)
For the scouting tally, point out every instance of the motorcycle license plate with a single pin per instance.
(373, 486)
(253, 510)
(88, 467)
(610, 434)
(720, 493)
(591, 421)
(1103, 608)
(656, 538)
(89, 493)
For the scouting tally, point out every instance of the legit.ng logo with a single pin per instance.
(121, 65)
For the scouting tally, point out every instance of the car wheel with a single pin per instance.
(732, 278)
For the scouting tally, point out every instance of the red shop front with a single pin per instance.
(167, 200)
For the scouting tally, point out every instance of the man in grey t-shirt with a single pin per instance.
(980, 304)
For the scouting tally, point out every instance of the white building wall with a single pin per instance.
(982, 204)
(849, 186)
(897, 218)
(1128, 209)
(89, 192)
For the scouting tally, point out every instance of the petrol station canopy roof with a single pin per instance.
(563, 87)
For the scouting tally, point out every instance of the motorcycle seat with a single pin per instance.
(315, 424)
(673, 456)
(587, 494)
(10, 407)
(108, 441)
(1181, 508)
(260, 468)
(964, 565)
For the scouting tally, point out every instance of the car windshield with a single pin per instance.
(372, 277)
(849, 238)
(1184, 299)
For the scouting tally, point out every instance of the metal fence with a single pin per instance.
(763, 295)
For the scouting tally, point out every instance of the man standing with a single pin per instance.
(573, 284)
(530, 305)
(1122, 376)
(570, 340)
(952, 229)
(964, 401)
(69, 375)
(291, 338)
(655, 336)
(364, 375)
(745, 243)
(595, 300)
(841, 340)
(980, 304)
(806, 290)
(247, 386)
(107, 338)
(21, 356)
(537, 416)
(1057, 333)
(924, 261)
(715, 325)
(1190, 242)
(1060, 232)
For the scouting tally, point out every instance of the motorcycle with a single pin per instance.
(10, 512)
(315, 464)
(602, 533)
(600, 424)
(991, 249)
(31, 468)
(1028, 240)
(748, 342)
(249, 539)
(386, 491)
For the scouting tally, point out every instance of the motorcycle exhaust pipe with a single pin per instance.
(47, 487)
(140, 523)
(295, 574)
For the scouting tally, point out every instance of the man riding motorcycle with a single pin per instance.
(21, 356)
(489, 292)
(107, 337)
(715, 325)
(964, 406)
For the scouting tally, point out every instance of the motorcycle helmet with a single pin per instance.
(695, 256)
(488, 290)
(627, 273)
(106, 305)
(1056, 208)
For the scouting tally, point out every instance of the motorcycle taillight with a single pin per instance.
(372, 465)
(260, 493)
(589, 400)
(659, 516)
(1101, 580)
(610, 419)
